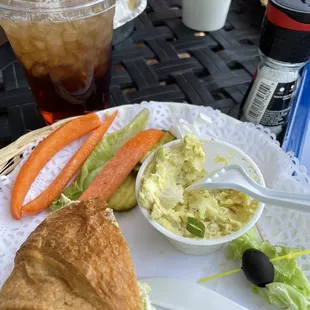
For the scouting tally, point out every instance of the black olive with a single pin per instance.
(257, 267)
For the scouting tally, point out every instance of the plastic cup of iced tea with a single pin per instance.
(65, 49)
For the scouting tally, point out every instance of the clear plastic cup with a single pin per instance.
(65, 49)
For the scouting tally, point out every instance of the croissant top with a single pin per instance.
(77, 258)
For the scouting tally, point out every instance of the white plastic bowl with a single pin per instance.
(213, 148)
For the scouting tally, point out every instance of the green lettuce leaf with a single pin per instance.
(291, 288)
(103, 152)
(237, 247)
(284, 296)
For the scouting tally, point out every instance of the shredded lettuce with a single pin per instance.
(103, 152)
(291, 288)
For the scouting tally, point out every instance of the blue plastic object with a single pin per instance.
(297, 137)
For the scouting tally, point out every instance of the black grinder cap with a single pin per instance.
(285, 34)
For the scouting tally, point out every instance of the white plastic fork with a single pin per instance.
(235, 177)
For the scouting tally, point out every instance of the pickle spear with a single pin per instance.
(124, 199)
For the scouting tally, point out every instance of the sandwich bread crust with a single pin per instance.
(77, 258)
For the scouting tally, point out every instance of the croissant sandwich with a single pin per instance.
(76, 259)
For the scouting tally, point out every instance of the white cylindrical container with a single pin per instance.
(205, 15)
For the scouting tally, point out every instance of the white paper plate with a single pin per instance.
(152, 254)
(124, 14)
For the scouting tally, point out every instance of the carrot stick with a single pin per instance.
(40, 156)
(58, 185)
(119, 167)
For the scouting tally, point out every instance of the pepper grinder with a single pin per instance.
(284, 49)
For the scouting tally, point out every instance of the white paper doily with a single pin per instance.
(151, 253)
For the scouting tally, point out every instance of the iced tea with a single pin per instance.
(67, 63)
